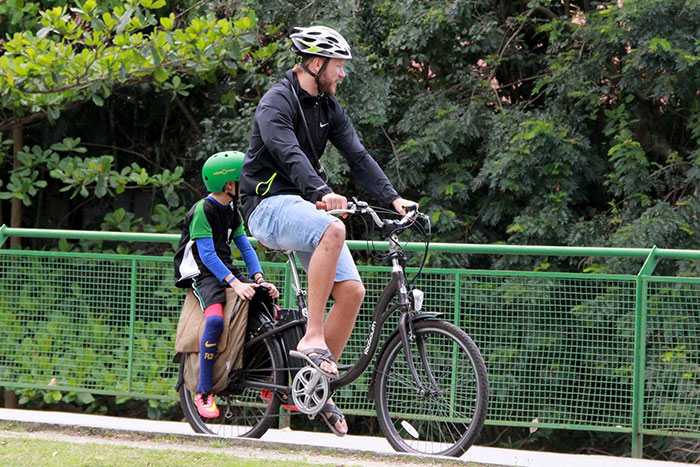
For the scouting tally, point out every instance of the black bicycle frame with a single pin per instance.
(378, 320)
(382, 311)
(375, 332)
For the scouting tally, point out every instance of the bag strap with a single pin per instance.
(316, 160)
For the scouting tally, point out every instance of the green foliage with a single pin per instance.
(73, 55)
(83, 175)
(86, 51)
(506, 123)
(165, 219)
(121, 221)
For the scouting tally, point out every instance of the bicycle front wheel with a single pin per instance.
(244, 412)
(443, 413)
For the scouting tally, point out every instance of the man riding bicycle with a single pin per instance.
(282, 179)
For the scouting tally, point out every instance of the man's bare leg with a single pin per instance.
(321, 279)
(348, 296)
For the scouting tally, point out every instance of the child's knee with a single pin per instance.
(214, 325)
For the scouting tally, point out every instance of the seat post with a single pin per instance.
(296, 282)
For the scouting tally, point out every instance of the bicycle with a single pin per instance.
(430, 387)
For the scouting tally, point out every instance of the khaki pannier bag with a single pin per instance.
(229, 351)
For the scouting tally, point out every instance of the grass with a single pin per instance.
(27, 444)
(18, 451)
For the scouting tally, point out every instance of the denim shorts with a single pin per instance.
(288, 222)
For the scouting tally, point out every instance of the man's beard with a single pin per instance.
(325, 85)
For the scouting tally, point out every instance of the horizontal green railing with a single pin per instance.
(606, 352)
(497, 249)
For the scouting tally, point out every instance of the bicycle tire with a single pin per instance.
(244, 412)
(448, 417)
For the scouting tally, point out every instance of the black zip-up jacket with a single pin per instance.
(279, 159)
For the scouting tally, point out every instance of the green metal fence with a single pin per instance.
(617, 353)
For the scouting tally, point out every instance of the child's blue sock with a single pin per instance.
(214, 324)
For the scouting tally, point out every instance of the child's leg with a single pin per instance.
(214, 324)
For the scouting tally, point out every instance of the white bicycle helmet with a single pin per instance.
(320, 40)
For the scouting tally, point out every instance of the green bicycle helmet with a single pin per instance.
(221, 168)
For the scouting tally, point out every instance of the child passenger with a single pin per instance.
(203, 261)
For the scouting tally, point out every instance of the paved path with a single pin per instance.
(486, 455)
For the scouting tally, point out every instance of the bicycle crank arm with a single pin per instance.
(310, 387)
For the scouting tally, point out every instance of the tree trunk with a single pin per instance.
(16, 205)
(10, 397)
(11, 401)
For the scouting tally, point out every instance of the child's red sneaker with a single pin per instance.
(206, 406)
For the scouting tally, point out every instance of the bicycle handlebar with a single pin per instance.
(390, 228)
(387, 226)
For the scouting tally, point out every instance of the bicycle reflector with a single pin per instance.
(417, 296)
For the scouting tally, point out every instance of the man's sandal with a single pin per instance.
(316, 356)
(335, 417)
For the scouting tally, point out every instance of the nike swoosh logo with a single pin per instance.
(207, 344)
(324, 124)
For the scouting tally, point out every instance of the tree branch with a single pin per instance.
(188, 115)
(396, 156)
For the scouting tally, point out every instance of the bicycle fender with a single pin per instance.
(180, 374)
(420, 316)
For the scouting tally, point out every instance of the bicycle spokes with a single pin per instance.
(439, 406)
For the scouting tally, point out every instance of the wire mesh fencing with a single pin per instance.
(562, 350)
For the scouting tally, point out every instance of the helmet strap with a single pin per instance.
(233, 196)
(315, 75)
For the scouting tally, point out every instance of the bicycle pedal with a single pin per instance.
(312, 365)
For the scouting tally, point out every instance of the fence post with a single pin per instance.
(640, 331)
(457, 322)
(10, 397)
(132, 321)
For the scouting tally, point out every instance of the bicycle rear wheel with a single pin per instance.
(244, 412)
(446, 416)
